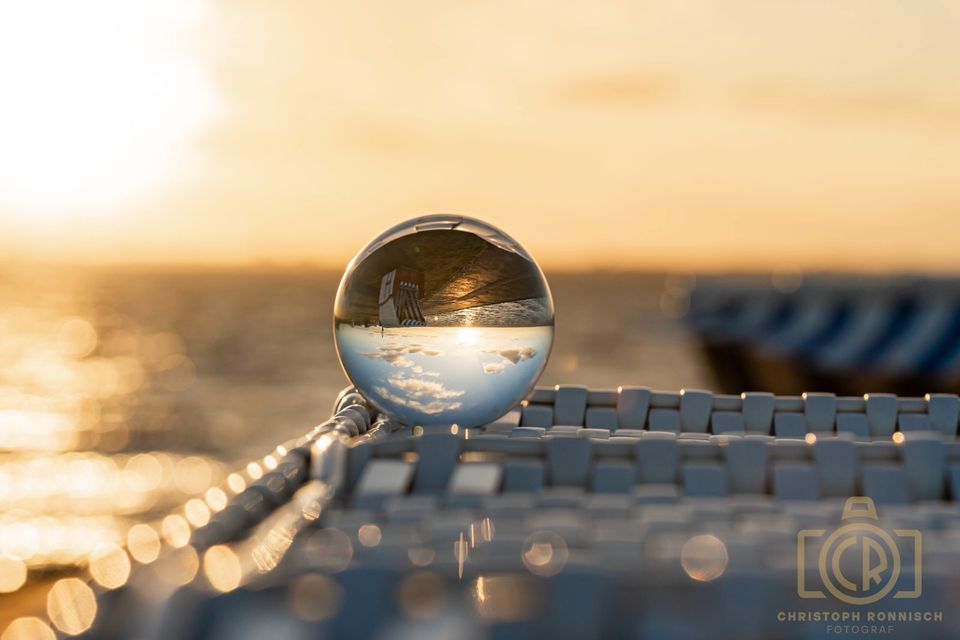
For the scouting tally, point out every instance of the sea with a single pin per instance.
(128, 395)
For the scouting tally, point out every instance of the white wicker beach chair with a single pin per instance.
(583, 513)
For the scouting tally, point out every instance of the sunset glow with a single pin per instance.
(659, 135)
(99, 102)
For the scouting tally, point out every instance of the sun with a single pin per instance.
(467, 336)
(99, 101)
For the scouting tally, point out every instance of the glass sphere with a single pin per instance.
(443, 320)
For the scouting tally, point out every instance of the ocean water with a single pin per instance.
(128, 396)
(467, 376)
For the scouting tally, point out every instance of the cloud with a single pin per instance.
(510, 355)
(418, 370)
(424, 388)
(426, 396)
(394, 354)
(516, 354)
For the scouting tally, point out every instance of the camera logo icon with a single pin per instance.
(858, 562)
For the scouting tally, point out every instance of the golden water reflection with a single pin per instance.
(175, 531)
(179, 567)
(222, 568)
(13, 574)
(71, 606)
(89, 452)
(28, 628)
(143, 543)
(110, 566)
(216, 498)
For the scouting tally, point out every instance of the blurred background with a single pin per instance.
(181, 185)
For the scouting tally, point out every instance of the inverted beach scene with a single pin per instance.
(425, 375)
(444, 319)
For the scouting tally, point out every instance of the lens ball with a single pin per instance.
(443, 320)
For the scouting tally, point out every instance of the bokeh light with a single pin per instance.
(421, 556)
(71, 606)
(28, 628)
(197, 512)
(369, 535)
(483, 530)
(314, 597)
(236, 482)
(216, 498)
(178, 567)
(704, 557)
(143, 543)
(13, 573)
(461, 553)
(273, 546)
(110, 566)
(143, 472)
(328, 549)
(177, 372)
(76, 338)
(80, 473)
(175, 530)
(506, 597)
(193, 475)
(222, 568)
(19, 541)
(545, 553)
(421, 594)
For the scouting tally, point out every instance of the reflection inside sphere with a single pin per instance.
(443, 319)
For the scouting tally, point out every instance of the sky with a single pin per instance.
(664, 134)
